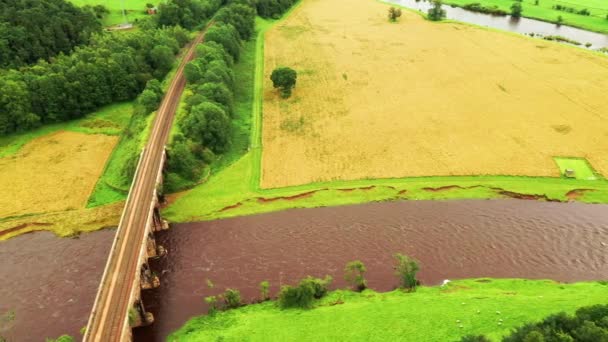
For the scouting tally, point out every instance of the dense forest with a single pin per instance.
(109, 68)
(273, 8)
(40, 29)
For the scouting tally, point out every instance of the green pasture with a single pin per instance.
(232, 188)
(492, 307)
(580, 166)
(134, 9)
(597, 21)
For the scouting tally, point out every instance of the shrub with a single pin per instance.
(394, 13)
(264, 290)
(353, 274)
(212, 302)
(232, 298)
(303, 295)
(406, 270)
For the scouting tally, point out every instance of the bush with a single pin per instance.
(474, 338)
(394, 13)
(406, 270)
(212, 302)
(232, 298)
(264, 290)
(353, 274)
(303, 295)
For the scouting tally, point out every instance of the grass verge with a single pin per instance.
(134, 9)
(443, 313)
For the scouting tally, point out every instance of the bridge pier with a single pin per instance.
(138, 316)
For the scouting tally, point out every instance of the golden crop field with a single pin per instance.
(415, 98)
(52, 173)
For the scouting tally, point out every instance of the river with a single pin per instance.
(507, 23)
(51, 282)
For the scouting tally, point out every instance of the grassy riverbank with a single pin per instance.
(233, 188)
(545, 11)
(477, 306)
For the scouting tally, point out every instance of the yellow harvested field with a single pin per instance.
(417, 98)
(53, 173)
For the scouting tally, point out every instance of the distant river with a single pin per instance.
(51, 282)
(507, 23)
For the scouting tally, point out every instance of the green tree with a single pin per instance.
(285, 79)
(208, 123)
(354, 274)
(516, 9)
(406, 270)
(148, 100)
(219, 94)
(436, 13)
(162, 59)
(227, 36)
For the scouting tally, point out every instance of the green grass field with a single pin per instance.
(134, 9)
(581, 167)
(234, 184)
(476, 306)
(597, 21)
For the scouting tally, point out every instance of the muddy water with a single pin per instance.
(506, 23)
(50, 283)
(454, 239)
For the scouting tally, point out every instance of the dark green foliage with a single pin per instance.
(477, 7)
(285, 79)
(232, 298)
(516, 10)
(40, 29)
(406, 270)
(589, 324)
(394, 13)
(208, 124)
(227, 36)
(563, 8)
(303, 295)
(219, 94)
(242, 17)
(186, 13)
(111, 68)
(62, 338)
(273, 8)
(150, 98)
(212, 302)
(436, 13)
(182, 159)
(354, 274)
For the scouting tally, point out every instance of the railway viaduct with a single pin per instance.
(118, 306)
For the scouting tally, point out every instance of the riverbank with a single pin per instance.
(545, 10)
(235, 186)
(443, 313)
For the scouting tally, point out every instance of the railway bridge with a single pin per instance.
(118, 306)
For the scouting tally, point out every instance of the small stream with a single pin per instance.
(507, 23)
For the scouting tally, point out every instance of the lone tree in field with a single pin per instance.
(284, 78)
(353, 274)
(436, 13)
(516, 9)
(394, 13)
(406, 270)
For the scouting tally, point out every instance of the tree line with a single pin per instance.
(40, 29)
(110, 68)
(205, 127)
(273, 8)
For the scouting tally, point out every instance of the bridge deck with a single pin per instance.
(110, 311)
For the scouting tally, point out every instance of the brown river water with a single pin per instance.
(50, 283)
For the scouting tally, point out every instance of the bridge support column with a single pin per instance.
(148, 279)
(138, 317)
